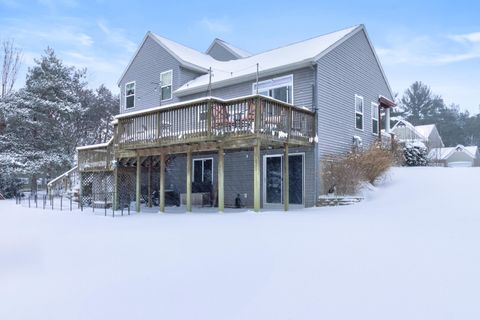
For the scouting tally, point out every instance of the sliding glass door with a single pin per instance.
(273, 179)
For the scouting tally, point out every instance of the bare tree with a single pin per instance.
(11, 61)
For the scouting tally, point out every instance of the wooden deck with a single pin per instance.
(207, 124)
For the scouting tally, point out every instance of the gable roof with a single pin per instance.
(299, 54)
(236, 52)
(286, 58)
(445, 153)
(425, 130)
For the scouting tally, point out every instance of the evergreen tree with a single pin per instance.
(418, 105)
(41, 119)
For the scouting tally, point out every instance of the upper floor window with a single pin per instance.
(166, 80)
(358, 112)
(374, 118)
(280, 88)
(130, 95)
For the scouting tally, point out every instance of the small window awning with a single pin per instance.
(384, 102)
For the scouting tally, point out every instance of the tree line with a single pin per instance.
(43, 123)
(419, 105)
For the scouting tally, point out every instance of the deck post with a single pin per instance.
(256, 176)
(286, 193)
(115, 188)
(162, 183)
(137, 188)
(149, 187)
(189, 181)
(221, 197)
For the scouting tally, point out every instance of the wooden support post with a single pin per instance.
(149, 178)
(189, 181)
(115, 189)
(286, 193)
(256, 176)
(221, 197)
(138, 186)
(162, 183)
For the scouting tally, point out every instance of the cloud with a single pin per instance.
(430, 50)
(116, 36)
(473, 37)
(216, 25)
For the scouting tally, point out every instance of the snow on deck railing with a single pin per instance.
(63, 175)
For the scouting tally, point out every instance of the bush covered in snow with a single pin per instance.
(347, 172)
(415, 154)
(9, 185)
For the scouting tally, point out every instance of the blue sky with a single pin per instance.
(437, 42)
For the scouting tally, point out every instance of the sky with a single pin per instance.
(436, 42)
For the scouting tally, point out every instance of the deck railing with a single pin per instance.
(213, 118)
(96, 157)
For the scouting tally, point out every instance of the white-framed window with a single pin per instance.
(374, 117)
(203, 170)
(359, 112)
(130, 95)
(166, 80)
(280, 88)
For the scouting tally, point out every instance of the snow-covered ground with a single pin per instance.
(410, 251)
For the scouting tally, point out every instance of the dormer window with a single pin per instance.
(130, 95)
(166, 80)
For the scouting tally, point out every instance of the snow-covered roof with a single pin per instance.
(425, 130)
(445, 153)
(237, 52)
(287, 57)
(422, 131)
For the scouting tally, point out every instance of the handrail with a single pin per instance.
(63, 175)
(205, 99)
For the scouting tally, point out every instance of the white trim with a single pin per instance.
(193, 168)
(164, 86)
(134, 94)
(264, 178)
(362, 113)
(290, 83)
(376, 106)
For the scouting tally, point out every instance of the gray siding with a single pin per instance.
(239, 174)
(349, 69)
(303, 80)
(145, 70)
(220, 53)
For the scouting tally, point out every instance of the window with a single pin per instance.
(166, 79)
(279, 88)
(374, 118)
(359, 112)
(203, 170)
(130, 95)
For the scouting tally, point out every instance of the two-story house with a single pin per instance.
(229, 128)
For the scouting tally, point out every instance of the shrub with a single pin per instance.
(415, 154)
(348, 171)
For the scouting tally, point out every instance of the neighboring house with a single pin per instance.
(235, 129)
(427, 134)
(459, 156)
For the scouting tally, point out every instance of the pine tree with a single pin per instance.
(41, 119)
